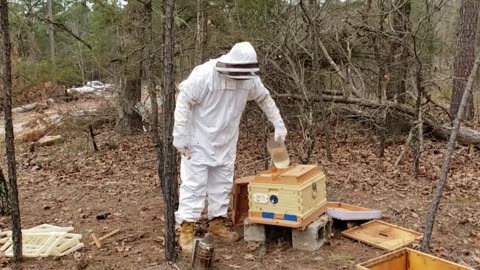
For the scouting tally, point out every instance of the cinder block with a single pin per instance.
(314, 236)
(253, 232)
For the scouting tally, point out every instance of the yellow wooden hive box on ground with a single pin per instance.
(409, 259)
(292, 197)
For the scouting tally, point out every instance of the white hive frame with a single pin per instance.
(43, 241)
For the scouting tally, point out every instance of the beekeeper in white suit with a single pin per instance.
(207, 118)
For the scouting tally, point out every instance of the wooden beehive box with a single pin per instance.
(240, 199)
(292, 197)
(409, 259)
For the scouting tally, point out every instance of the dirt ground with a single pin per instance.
(69, 184)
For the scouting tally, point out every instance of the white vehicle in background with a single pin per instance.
(89, 87)
(99, 85)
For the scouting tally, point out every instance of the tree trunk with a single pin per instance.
(85, 15)
(399, 51)
(51, 34)
(446, 158)
(308, 121)
(169, 178)
(313, 32)
(465, 56)
(9, 136)
(418, 143)
(398, 64)
(201, 39)
(4, 198)
(149, 60)
(382, 79)
(129, 121)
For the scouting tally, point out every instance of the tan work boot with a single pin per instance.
(185, 240)
(218, 228)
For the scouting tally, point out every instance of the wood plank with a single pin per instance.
(240, 200)
(110, 234)
(244, 180)
(276, 222)
(256, 217)
(313, 217)
(298, 171)
(299, 174)
(269, 175)
(95, 240)
(409, 259)
(291, 176)
(422, 261)
(396, 260)
(397, 263)
(346, 207)
(382, 235)
(259, 215)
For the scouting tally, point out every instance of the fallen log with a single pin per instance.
(25, 108)
(466, 136)
(50, 140)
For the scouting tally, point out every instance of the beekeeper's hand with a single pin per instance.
(280, 133)
(181, 145)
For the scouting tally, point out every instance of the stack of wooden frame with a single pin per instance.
(43, 241)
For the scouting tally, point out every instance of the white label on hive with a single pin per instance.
(260, 198)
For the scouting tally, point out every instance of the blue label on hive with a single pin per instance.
(268, 215)
(274, 199)
(290, 217)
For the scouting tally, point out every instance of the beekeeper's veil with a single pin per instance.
(239, 63)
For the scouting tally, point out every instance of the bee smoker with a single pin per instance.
(202, 255)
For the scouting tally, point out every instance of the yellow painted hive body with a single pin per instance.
(292, 197)
(409, 259)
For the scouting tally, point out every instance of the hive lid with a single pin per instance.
(293, 175)
(382, 235)
(343, 211)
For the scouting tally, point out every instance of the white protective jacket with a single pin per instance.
(208, 111)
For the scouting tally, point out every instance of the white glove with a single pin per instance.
(181, 145)
(280, 133)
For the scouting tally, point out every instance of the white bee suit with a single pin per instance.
(207, 118)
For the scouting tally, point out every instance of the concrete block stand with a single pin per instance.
(311, 239)
(314, 236)
(253, 232)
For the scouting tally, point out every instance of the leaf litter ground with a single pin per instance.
(69, 185)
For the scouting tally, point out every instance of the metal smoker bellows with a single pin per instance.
(203, 253)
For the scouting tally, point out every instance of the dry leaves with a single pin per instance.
(476, 259)
(117, 180)
(249, 257)
(123, 247)
(252, 245)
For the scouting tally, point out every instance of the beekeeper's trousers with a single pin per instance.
(200, 181)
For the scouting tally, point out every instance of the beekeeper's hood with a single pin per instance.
(240, 62)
